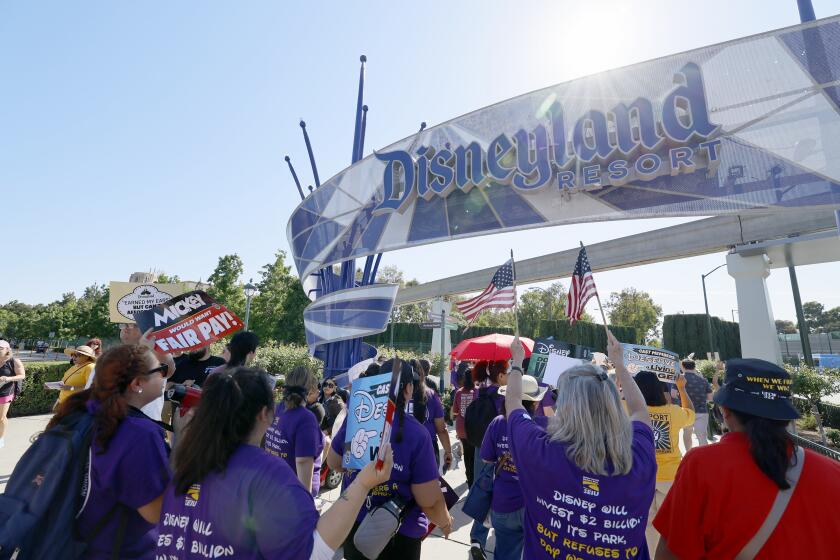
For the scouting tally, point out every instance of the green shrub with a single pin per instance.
(35, 398)
(282, 358)
(833, 437)
(808, 422)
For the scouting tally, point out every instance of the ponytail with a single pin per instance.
(115, 370)
(419, 398)
(224, 419)
(299, 382)
(407, 376)
(770, 443)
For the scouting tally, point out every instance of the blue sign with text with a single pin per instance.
(365, 420)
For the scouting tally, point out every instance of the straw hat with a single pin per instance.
(83, 350)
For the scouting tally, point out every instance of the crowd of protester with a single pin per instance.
(591, 468)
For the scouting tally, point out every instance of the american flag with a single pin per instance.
(582, 288)
(500, 294)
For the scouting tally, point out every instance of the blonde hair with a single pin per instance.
(591, 422)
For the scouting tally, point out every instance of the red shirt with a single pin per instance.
(463, 398)
(720, 498)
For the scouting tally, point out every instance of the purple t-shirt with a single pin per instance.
(255, 508)
(133, 472)
(434, 410)
(414, 463)
(507, 496)
(576, 513)
(295, 433)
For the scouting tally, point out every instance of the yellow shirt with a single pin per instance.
(76, 377)
(667, 421)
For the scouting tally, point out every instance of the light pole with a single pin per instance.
(734, 311)
(250, 290)
(706, 301)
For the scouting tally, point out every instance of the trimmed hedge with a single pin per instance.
(685, 334)
(35, 398)
(587, 334)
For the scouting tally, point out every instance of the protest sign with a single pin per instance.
(366, 414)
(556, 366)
(664, 363)
(545, 346)
(188, 322)
(127, 298)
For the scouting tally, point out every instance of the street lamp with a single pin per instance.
(250, 290)
(734, 311)
(706, 301)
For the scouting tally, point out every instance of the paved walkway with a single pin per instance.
(21, 430)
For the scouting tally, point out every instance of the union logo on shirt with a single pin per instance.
(591, 486)
(191, 499)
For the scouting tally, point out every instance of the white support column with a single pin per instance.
(758, 329)
(438, 305)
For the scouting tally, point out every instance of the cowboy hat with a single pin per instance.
(83, 350)
(531, 390)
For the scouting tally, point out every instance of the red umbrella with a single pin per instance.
(489, 347)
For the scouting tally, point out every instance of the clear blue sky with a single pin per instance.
(151, 134)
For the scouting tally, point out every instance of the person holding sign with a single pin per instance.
(507, 510)
(413, 488)
(228, 498)
(588, 479)
(666, 420)
(295, 433)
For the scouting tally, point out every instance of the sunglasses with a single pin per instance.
(329, 385)
(162, 368)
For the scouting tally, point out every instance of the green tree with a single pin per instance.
(225, 286)
(635, 308)
(277, 310)
(164, 278)
(541, 304)
(813, 386)
(91, 316)
(785, 327)
(814, 315)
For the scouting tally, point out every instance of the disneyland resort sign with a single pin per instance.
(611, 149)
(746, 126)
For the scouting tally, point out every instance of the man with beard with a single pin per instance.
(194, 366)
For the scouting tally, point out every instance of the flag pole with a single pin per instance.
(598, 297)
(515, 298)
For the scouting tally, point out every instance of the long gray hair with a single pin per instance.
(591, 421)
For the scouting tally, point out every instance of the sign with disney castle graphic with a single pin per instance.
(745, 126)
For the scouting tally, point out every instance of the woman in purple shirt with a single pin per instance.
(129, 462)
(427, 408)
(413, 483)
(588, 479)
(295, 434)
(507, 510)
(230, 499)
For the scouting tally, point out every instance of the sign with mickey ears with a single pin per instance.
(188, 322)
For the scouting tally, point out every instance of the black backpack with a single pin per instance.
(478, 416)
(45, 494)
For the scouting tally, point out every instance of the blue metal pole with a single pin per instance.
(311, 156)
(806, 10)
(295, 177)
(358, 125)
(361, 149)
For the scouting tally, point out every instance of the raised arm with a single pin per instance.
(636, 406)
(684, 398)
(513, 397)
